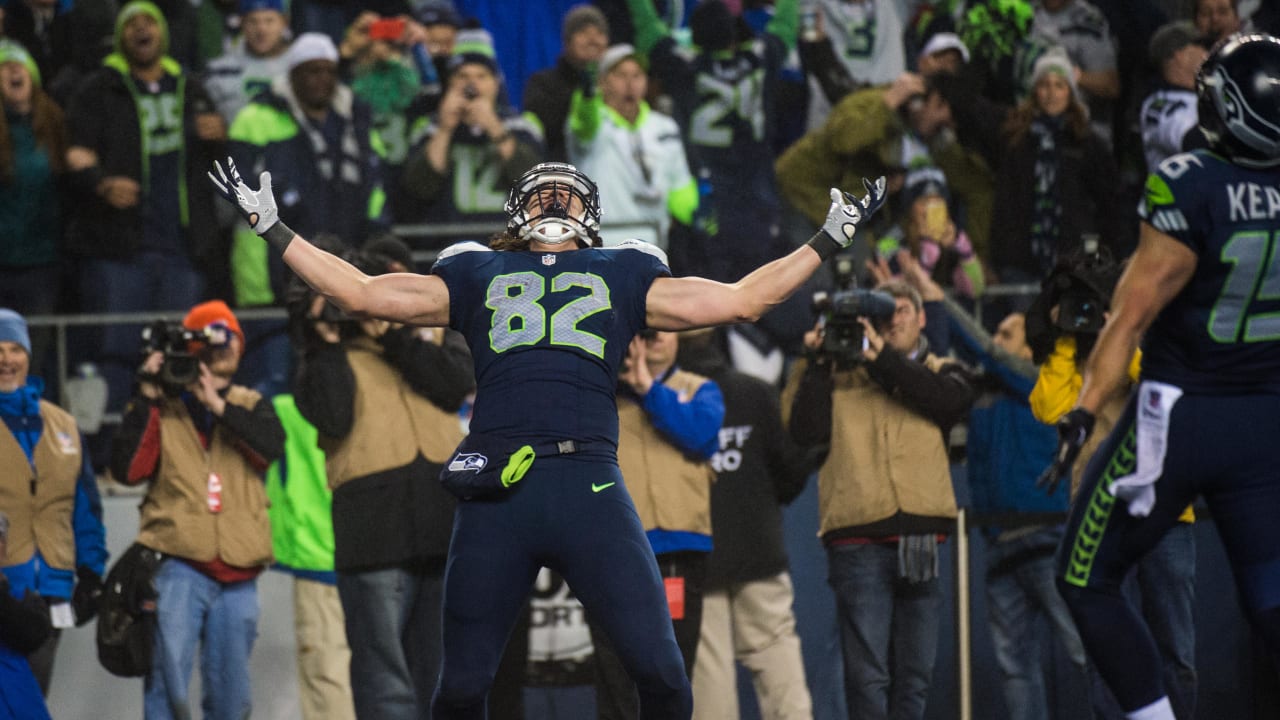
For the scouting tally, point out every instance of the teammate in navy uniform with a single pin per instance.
(548, 315)
(1202, 294)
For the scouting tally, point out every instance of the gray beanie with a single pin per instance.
(579, 17)
(1055, 61)
(13, 328)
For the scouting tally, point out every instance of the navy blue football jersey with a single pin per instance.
(1222, 332)
(548, 332)
(727, 106)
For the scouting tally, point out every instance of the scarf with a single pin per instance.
(1045, 208)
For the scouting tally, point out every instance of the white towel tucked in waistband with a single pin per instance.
(1155, 406)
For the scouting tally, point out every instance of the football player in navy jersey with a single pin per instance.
(548, 315)
(1202, 296)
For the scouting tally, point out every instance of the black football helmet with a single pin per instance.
(551, 187)
(1239, 90)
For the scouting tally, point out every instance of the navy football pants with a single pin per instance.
(1225, 448)
(572, 514)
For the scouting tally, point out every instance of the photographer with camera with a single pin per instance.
(1063, 324)
(476, 145)
(884, 404)
(202, 444)
(384, 399)
(56, 542)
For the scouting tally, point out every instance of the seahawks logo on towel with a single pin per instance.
(463, 462)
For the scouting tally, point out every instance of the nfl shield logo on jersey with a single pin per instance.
(549, 259)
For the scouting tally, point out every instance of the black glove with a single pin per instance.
(87, 596)
(1074, 429)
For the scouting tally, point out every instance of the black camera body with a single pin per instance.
(1080, 287)
(1081, 310)
(842, 339)
(838, 311)
(181, 366)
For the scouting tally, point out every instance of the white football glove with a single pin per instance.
(847, 211)
(257, 206)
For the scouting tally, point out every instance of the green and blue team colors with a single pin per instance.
(1101, 502)
(584, 306)
(1228, 316)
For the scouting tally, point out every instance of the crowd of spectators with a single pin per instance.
(1011, 132)
(399, 115)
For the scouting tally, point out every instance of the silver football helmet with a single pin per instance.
(541, 206)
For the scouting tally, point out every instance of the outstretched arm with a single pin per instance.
(401, 297)
(1160, 268)
(407, 298)
(688, 302)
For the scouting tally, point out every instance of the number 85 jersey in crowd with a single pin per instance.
(548, 331)
(1220, 334)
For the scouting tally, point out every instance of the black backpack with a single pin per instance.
(127, 618)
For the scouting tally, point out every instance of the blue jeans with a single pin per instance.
(1020, 590)
(1167, 579)
(393, 628)
(149, 282)
(888, 632)
(193, 609)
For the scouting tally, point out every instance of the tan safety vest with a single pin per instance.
(391, 424)
(40, 500)
(671, 491)
(176, 516)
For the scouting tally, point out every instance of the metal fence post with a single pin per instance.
(964, 656)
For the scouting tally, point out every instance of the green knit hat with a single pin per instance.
(128, 12)
(11, 51)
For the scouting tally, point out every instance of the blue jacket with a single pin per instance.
(20, 697)
(1007, 447)
(24, 626)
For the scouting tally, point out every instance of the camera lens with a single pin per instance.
(180, 370)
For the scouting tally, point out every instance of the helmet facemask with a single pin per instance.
(554, 203)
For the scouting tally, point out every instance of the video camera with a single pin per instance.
(1080, 287)
(838, 313)
(181, 366)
